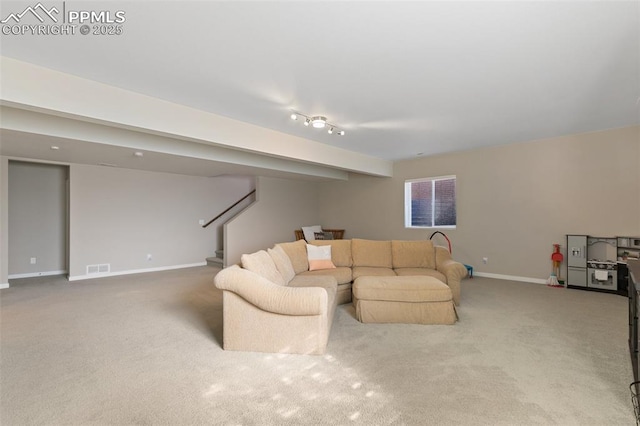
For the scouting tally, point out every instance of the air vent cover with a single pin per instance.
(98, 269)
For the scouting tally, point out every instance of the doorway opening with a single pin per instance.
(38, 219)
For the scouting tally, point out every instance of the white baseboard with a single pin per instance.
(134, 271)
(5, 285)
(510, 277)
(36, 274)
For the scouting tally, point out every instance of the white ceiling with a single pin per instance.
(401, 78)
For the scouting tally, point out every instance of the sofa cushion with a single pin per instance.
(261, 263)
(366, 271)
(283, 263)
(340, 251)
(401, 289)
(325, 281)
(297, 252)
(371, 253)
(413, 254)
(421, 271)
(342, 274)
(319, 257)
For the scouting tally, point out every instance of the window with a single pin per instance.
(430, 202)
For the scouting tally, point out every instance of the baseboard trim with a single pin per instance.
(5, 285)
(510, 278)
(134, 271)
(36, 274)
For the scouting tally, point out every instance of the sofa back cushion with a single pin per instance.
(413, 254)
(283, 263)
(371, 253)
(340, 251)
(261, 263)
(297, 252)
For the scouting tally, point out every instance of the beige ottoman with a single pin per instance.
(403, 299)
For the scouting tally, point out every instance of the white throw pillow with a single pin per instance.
(261, 263)
(319, 257)
(283, 263)
(309, 232)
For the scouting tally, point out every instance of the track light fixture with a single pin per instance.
(318, 122)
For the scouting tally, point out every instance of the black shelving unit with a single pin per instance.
(634, 301)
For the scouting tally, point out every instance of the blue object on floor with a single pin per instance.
(469, 270)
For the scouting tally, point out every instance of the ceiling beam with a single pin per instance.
(30, 87)
(34, 123)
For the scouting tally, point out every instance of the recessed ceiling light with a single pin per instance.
(138, 154)
(54, 148)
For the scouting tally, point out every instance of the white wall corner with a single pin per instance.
(4, 221)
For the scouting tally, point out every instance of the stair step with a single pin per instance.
(214, 261)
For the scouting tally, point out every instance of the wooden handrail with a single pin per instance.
(232, 206)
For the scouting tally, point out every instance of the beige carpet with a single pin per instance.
(145, 349)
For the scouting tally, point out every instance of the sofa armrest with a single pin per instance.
(448, 266)
(454, 271)
(270, 297)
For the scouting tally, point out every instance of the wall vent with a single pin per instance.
(98, 269)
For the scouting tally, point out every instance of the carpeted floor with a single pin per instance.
(146, 349)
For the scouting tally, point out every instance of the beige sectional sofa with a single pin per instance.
(272, 302)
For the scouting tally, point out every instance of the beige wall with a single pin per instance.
(37, 218)
(513, 201)
(119, 216)
(281, 207)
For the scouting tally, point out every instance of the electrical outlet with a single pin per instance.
(201, 222)
(149, 257)
(485, 260)
(32, 260)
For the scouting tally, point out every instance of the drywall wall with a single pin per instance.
(513, 201)
(4, 222)
(281, 206)
(37, 219)
(119, 217)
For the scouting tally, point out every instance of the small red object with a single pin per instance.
(556, 256)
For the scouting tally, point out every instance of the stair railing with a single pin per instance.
(229, 208)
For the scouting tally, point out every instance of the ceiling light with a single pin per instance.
(54, 148)
(138, 154)
(318, 122)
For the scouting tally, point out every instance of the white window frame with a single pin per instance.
(407, 202)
